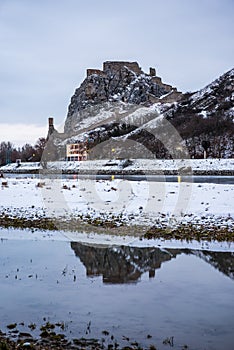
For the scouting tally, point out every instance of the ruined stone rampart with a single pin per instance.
(118, 65)
(172, 96)
(157, 80)
(152, 72)
(94, 71)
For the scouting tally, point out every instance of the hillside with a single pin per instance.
(207, 114)
(137, 115)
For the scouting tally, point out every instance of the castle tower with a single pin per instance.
(152, 72)
(51, 128)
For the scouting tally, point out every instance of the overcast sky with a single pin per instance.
(47, 45)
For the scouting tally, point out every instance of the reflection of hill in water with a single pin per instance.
(124, 264)
(223, 261)
(121, 264)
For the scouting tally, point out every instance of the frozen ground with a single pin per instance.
(131, 202)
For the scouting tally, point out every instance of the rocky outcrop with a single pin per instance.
(119, 81)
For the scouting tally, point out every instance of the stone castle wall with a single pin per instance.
(117, 65)
(94, 71)
(173, 96)
(152, 72)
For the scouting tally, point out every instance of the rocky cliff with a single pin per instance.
(117, 82)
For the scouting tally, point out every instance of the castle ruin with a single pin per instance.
(117, 66)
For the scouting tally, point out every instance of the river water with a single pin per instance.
(146, 294)
(217, 179)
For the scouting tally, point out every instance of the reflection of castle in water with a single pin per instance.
(124, 264)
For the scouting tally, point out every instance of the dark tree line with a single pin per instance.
(27, 153)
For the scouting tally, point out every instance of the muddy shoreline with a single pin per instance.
(185, 232)
(52, 337)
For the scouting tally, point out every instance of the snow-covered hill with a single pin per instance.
(207, 114)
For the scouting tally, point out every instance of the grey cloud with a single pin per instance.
(47, 45)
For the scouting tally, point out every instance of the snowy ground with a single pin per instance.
(131, 202)
(142, 165)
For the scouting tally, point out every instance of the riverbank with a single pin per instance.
(50, 339)
(143, 209)
(185, 232)
(186, 167)
(57, 341)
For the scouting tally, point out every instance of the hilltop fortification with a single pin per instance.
(121, 81)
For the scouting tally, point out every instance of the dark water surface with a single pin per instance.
(216, 179)
(128, 291)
